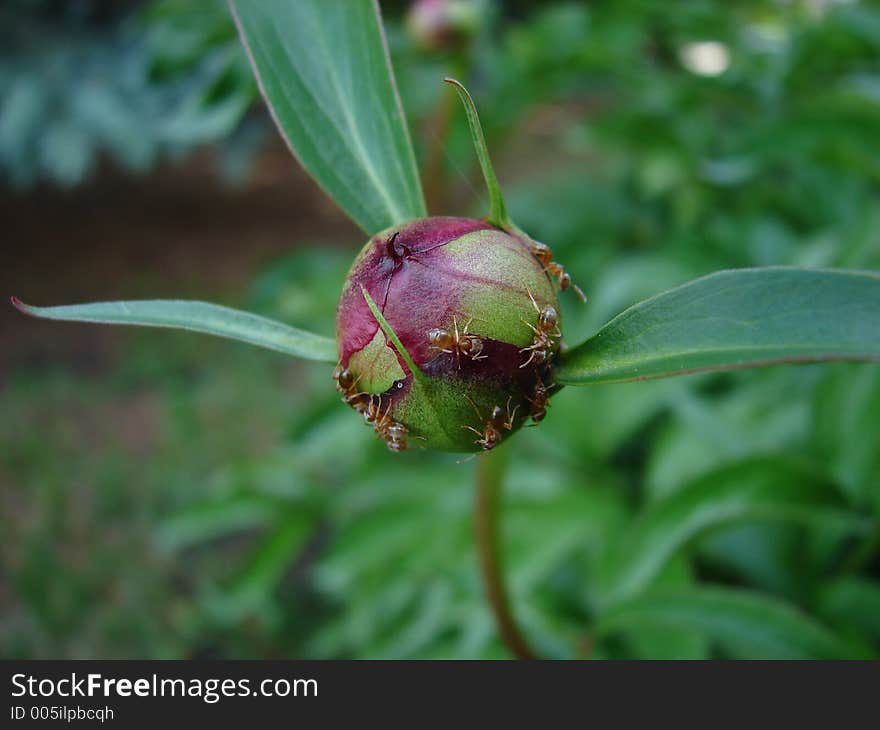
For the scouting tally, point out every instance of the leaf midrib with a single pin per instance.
(355, 142)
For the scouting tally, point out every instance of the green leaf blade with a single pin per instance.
(752, 491)
(746, 623)
(497, 209)
(264, 568)
(392, 336)
(203, 317)
(735, 319)
(324, 70)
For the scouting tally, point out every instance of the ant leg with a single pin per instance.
(430, 248)
(510, 416)
(534, 303)
(467, 459)
(579, 292)
(474, 406)
(531, 357)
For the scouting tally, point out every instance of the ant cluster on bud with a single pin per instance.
(370, 407)
(465, 324)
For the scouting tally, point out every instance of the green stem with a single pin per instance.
(489, 484)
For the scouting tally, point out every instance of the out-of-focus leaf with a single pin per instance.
(206, 521)
(267, 563)
(211, 319)
(765, 414)
(668, 642)
(66, 152)
(767, 556)
(539, 534)
(846, 406)
(852, 602)
(735, 319)
(324, 70)
(759, 490)
(744, 623)
(302, 286)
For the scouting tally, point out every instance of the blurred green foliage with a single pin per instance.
(733, 515)
(85, 78)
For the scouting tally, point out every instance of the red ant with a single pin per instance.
(460, 343)
(547, 329)
(490, 436)
(544, 254)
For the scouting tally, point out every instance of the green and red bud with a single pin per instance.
(444, 25)
(475, 313)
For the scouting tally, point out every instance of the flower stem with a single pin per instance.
(489, 483)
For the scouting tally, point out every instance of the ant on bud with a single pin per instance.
(391, 432)
(545, 332)
(462, 343)
(490, 436)
(540, 400)
(370, 407)
(346, 383)
(395, 437)
(544, 254)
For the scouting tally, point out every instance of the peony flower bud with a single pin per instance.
(444, 25)
(475, 314)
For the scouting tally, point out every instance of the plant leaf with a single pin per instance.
(852, 603)
(392, 336)
(497, 210)
(324, 70)
(268, 561)
(757, 490)
(744, 622)
(735, 319)
(211, 319)
(205, 521)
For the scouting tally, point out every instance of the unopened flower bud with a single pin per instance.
(476, 314)
(443, 25)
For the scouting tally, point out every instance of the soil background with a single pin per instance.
(180, 232)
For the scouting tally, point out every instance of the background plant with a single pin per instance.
(665, 450)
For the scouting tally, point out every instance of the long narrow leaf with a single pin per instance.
(266, 565)
(324, 70)
(497, 210)
(392, 336)
(735, 319)
(757, 490)
(211, 319)
(747, 624)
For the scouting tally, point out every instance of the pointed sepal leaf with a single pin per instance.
(211, 319)
(497, 210)
(392, 336)
(735, 319)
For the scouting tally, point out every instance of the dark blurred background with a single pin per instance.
(171, 495)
